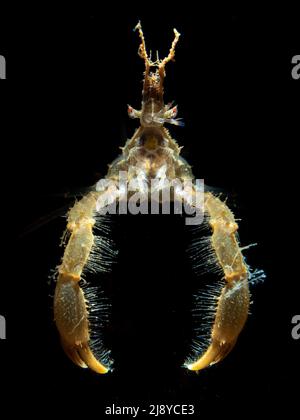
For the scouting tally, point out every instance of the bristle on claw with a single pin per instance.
(204, 313)
(98, 308)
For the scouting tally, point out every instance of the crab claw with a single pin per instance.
(83, 357)
(231, 315)
(71, 317)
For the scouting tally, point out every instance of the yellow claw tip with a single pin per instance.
(189, 366)
(194, 366)
(91, 361)
(83, 357)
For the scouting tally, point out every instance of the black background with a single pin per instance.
(70, 75)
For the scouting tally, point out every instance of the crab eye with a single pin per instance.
(133, 113)
(130, 110)
(171, 113)
(174, 111)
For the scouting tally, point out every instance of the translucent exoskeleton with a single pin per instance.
(150, 154)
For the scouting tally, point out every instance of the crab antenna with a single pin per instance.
(171, 54)
(142, 48)
(153, 82)
(143, 52)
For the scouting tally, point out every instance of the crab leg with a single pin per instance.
(233, 303)
(70, 306)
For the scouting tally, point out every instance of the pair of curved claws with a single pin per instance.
(71, 307)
